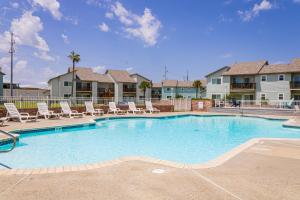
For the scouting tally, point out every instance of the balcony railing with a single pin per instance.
(295, 84)
(243, 86)
(105, 92)
(83, 88)
(129, 89)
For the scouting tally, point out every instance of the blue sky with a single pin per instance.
(145, 35)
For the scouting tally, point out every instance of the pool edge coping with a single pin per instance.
(209, 164)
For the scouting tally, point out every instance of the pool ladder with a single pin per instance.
(14, 141)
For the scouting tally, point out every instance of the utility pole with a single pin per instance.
(165, 73)
(11, 51)
(187, 75)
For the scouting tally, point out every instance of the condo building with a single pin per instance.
(118, 85)
(169, 89)
(257, 80)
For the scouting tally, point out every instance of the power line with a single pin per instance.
(11, 51)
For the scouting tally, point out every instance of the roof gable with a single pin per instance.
(121, 76)
(246, 68)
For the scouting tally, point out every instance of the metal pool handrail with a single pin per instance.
(14, 141)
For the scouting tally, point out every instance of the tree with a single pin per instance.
(198, 85)
(143, 86)
(75, 58)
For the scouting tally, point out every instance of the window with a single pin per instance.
(216, 81)
(67, 83)
(216, 96)
(168, 89)
(281, 77)
(264, 78)
(262, 97)
(280, 96)
(67, 95)
(169, 97)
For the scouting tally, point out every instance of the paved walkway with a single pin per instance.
(268, 170)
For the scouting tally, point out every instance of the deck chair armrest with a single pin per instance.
(24, 114)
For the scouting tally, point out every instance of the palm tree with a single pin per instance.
(143, 86)
(198, 85)
(75, 59)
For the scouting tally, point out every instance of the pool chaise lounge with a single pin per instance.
(66, 110)
(150, 108)
(13, 113)
(45, 112)
(91, 110)
(133, 109)
(112, 108)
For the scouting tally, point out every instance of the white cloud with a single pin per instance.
(21, 65)
(129, 69)
(145, 27)
(109, 15)
(43, 55)
(296, 1)
(5, 63)
(124, 16)
(51, 5)
(27, 30)
(248, 15)
(99, 69)
(103, 27)
(65, 38)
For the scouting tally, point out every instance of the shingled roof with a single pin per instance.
(246, 68)
(281, 68)
(156, 85)
(121, 76)
(183, 84)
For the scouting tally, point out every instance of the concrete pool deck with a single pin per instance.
(268, 170)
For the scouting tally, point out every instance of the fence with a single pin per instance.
(31, 102)
(265, 104)
(182, 104)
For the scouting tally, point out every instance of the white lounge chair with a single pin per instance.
(132, 108)
(91, 110)
(112, 108)
(13, 113)
(150, 108)
(45, 112)
(66, 110)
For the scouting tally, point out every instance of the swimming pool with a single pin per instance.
(185, 139)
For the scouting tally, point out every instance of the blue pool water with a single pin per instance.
(189, 139)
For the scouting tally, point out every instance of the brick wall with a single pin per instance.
(207, 104)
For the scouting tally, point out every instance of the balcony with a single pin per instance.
(295, 85)
(106, 92)
(129, 90)
(243, 86)
(83, 88)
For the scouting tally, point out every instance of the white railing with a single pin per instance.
(31, 102)
(53, 102)
(264, 104)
